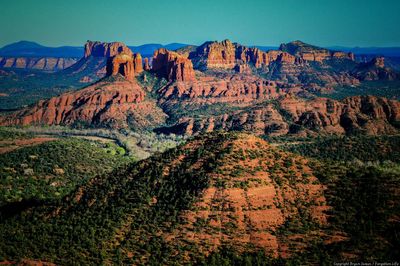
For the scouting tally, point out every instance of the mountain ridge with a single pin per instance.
(17, 49)
(262, 88)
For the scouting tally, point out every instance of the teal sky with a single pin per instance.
(250, 22)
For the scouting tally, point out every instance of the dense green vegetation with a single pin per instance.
(138, 145)
(53, 169)
(122, 217)
(135, 201)
(365, 202)
(25, 87)
(347, 148)
(362, 175)
(10, 134)
(388, 89)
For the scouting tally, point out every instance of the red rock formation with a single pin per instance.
(287, 58)
(368, 114)
(342, 55)
(39, 63)
(255, 56)
(146, 64)
(126, 64)
(121, 64)
(215, 55)
(172, 66)
(359, 114)
(219, 54)
(137, 63)
(243, 68)
(378, 62)
(374, 70)
(117, 104)
(103, 49)
(226, 55)
(236, 89)
(313, 53)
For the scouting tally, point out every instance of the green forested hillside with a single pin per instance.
(53, 169)
(123, 217)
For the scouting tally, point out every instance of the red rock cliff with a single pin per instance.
(114, 104)
(103, 49)
(121, 64)
(172, 66)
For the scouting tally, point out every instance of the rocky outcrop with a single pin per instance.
(112, 103)
(290, 115)
(374, 70)
(137, 63)
(101, 59)
(125, 64)
(313, 53)
(37, 63)
(172, 66)
(251, 204)
(301, 72)
(243, 68)
(121, 64)
(103, 49)
(226, 54)
(146, 66)
(357, 114)
(216, 55)
(236, 89)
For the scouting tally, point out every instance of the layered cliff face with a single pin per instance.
(357, 114)
(294, 62)
(216, 55)
(248, 92)
(301, 72)
(290, 115)
(236, 89)
(127, 65)
(226, 54)
(37, 63)
(313, 53)
(114, 102)
(374, 70)
(172, 66)
(102, 49)
(98, 55)
(247, 200)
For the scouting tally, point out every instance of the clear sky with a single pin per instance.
(250, 22)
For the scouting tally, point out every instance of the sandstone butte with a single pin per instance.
(172, 66)
(374, 70)
(125, 64)
(312, 53)
(112, 101)
(227, 55)
(102, 49)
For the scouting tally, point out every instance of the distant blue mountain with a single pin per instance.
(32, 49)
(147, 50)
(385, 51)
